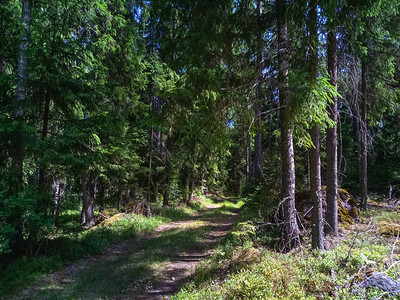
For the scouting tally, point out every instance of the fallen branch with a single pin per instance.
(343, 263)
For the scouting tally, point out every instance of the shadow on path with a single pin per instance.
(148, 268)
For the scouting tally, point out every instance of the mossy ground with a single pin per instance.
(264, 273)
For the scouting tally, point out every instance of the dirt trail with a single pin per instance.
(173, 274)
(167, 258)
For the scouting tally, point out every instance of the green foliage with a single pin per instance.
(21, 211)
(309, 105)
(244, 231)
(150, 97)
(71, 243)
(303, 274)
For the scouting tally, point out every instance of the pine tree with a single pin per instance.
(331, 215)
(315, 156)
(291, 230)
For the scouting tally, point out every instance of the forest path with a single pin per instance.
(152, 267)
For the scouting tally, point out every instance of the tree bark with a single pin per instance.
(364, 137)
(45, 129)
(149, 178)
(317, 233)
(257, 107)
(166, 198)
(58, 190)
(16, 146)
(191, 188)
(290, 231)
(22, 76)
(203, 184)
(101, 196)
(88, 189)
(248, 162)
(155, 193)
(120, 195)
(258, 143)
(168, 168)
(331, 215)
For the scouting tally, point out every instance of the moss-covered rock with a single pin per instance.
(386, 228)
(348, 212)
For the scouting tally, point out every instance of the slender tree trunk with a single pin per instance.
(102, 192)
(120, 194)
(155, 192)
(258, 144)
(364, 137)
(257, 107)
(203, 185)
(166, 198)
(84, 197)
(22, 75)
(17, 148)
(290, 230)
(58, 190)
(45, 129)
(168, 168)
(317, 231)
(248, 161)
(356, 111)
(331, 214)
(149, 178)
(191, 188)
(341, 164)
(88, 189)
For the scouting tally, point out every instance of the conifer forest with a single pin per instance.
(213, 149)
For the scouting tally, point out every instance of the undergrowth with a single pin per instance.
(72, 242)
(248, 266)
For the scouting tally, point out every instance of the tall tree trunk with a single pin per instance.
(364, 137)
(58, 190)
(203, 184)
(317, 232)
(191, 187)
(17, 148)
(258, 143)
(102, 193)
(341, 162)
(166, 198)
(120, 195)
(84, 197)
(291, 231)
(88, 189)
(168, 168)
(154, 197)
(331, 215)
(22, 76)
(45, 129)
(149, 178)
(248, 161)
(257, 107)
(355, 110)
